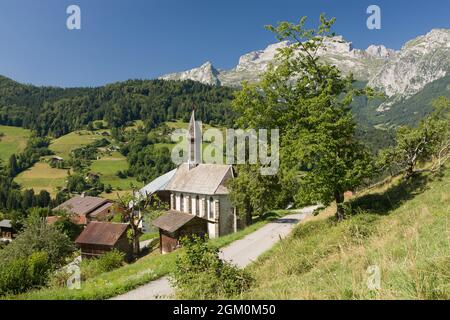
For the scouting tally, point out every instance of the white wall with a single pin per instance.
(220, 224)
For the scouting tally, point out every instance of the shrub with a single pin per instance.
(201, 274)
(66, 226)
(121, 174)
(59, 279)
(39, 236)
(105, 263)
(21, 274)
(27, 262)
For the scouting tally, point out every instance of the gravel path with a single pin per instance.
(241, 253)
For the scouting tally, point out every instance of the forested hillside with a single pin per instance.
(56, 111)
(400, 112)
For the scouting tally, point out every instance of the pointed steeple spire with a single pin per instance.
(194, 141)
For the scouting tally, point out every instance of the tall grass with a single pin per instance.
(403, 229)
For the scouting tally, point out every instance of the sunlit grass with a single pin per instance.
(42, 177)
(326, 260)
(14, 140)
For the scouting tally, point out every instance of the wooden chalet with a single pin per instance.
(84, 209)
(7, 232)
(101, 237)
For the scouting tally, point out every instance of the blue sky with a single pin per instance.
(127, 39)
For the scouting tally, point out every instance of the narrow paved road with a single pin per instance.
(241, 253)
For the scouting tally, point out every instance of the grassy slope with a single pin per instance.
(107, 168)
(65, 144)
(13, 141)
(405, 233)
(148, 268)
(42, 177)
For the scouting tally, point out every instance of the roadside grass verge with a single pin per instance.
(131, 276)
(403, 230)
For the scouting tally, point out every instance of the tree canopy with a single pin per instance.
(309, 102)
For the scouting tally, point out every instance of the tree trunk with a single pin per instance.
(409, 172)
(248, 215)
(136, 247)
(136, 244)
(340, 213)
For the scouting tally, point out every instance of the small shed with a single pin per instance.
(101, 237)
(174, 225)
(91, 176)
(6, 230)
(56, 159)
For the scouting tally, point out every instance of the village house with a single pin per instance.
(101, 237)
(195, 190)
(7, 232)
(83, 209)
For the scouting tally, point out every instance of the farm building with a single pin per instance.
(174, 225)
(84, 209)
(101, 237)
(92, 177)
(7, 232)
(56, 159)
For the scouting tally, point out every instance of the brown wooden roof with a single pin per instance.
(81, 205)
(102, 233)
(172, 220)
(100, 209)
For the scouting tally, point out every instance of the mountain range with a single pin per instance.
(402, 75)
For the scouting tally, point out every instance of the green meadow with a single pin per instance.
(65, 144)
(107, 167)
(12, 140)
(42, 177)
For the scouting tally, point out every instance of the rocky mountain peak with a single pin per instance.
(206, 73)
(380, 51)
(398, 73)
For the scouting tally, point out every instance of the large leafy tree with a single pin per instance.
(253, 193)
(308, 101)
